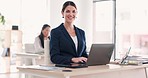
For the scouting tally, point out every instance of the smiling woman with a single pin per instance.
(74, 50)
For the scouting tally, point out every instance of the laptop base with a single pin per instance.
(72, 65)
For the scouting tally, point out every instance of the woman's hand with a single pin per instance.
(79, 59)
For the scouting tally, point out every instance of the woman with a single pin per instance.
(39, 40)
(67, 43)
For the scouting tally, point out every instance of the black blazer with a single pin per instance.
(62, 47)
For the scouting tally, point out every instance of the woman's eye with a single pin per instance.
(67, 11)
(74, 11)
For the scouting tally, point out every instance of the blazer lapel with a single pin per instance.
(79, 40)
(68, 37)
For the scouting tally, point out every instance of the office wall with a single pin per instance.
(34, 13)
(10, 9)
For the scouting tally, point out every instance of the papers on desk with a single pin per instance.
(135, 60)
(41, 67)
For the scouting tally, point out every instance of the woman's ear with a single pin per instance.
(62, 14)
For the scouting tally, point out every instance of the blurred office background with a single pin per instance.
(105, 21)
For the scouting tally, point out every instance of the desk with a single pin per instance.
(31, 56)
(102, 71)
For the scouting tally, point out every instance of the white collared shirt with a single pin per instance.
(75, 40)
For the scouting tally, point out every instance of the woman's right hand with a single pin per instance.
(79, 59)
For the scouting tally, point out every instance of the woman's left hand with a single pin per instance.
(79, 59)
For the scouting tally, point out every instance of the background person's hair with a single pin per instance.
(41, 36)
(67, 3)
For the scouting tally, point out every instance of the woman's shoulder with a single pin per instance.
(80, 30)
(57, 29)
(37, 38)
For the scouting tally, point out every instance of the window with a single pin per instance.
(131, 27)
(103, 30)
(104, 22)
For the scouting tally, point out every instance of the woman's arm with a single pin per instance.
(55, 53)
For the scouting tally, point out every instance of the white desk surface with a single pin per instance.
(84, 71)
(29, 55)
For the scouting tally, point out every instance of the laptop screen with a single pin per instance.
(100, 54)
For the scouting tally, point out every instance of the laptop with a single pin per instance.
(134, 59)
(30, 48)
(125, 56)
(100, 54)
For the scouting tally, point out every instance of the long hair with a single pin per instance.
(41, 36)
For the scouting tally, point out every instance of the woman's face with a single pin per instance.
(46, 31)
(69, 14)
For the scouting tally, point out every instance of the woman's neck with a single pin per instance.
(69, 26)
(70, 29)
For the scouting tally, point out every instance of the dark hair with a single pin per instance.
(41, 36)
(68, 3)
